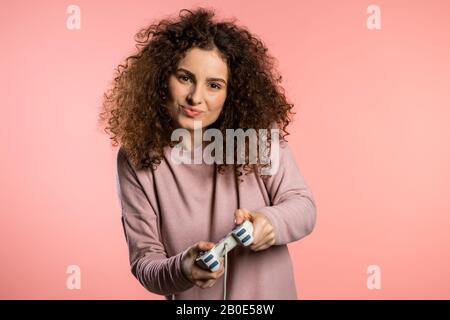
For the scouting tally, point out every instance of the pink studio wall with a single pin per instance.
(371, 137)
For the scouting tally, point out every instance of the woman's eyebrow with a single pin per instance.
(192, 75)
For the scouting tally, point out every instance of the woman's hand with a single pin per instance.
(196, 274)
(263, 232)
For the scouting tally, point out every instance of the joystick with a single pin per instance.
(241, 235)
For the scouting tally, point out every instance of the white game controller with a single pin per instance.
(241, 234)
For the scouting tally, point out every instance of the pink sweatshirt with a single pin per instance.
(165, 211)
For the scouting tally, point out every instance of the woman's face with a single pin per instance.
(198, 88)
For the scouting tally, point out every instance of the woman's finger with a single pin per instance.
(205, 284)
(199, 273)
(267, 229)
(202, 274)
(265, 243)
(262, 233)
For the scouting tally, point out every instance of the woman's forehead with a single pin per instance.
(206, 63)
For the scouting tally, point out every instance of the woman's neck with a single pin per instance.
(195, 141)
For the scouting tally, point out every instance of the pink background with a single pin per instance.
(371, 137)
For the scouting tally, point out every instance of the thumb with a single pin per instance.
(202, 246)
(240, 215)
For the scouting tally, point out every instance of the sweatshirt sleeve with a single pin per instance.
(293, 209)
(149, 262)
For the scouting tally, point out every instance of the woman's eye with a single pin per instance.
(215, 85)
(184, 78)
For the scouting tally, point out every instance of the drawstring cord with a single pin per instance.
(225, 271)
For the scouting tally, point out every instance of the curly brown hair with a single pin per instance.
(134, 111)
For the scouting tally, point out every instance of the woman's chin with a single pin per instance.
(188, 123)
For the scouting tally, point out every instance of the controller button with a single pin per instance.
(246, 239)
(215, 263)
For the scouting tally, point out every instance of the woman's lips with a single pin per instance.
(190, 112)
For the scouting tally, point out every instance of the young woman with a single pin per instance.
(197, 74)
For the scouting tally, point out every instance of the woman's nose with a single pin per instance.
(194, 97)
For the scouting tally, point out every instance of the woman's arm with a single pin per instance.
(293, 210)
(148, 259)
